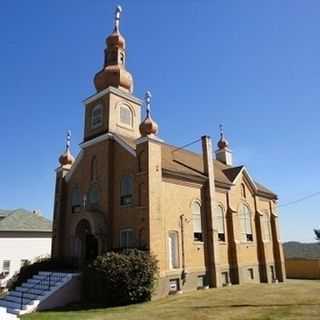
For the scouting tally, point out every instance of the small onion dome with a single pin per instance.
(223, 143)
(66, 158)
(148, 126)
(116, 40)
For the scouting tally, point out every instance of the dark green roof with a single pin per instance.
(23, 220)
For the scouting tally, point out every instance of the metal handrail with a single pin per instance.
(47, 287)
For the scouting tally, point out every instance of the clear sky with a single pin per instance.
(251, 65)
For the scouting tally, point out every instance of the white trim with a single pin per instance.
(246, 173)
(107, 136)
(115, 91)
(89, 143)
(93, 141)
(149, 138)
(124, 145)
(260, 212)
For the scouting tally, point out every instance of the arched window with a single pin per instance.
(220, 223)
(75, 199)
(245, 224)
(126, 115)
(266, 227)
(243, 191)
(93, 196)
(196, 221)
(93, 168)
(126, 191)
(96, 116)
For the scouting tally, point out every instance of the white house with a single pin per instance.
(24, 236)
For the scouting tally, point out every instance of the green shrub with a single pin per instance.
(28, 270)
(122, 278)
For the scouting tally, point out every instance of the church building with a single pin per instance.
(209, 223)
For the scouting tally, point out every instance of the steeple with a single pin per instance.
(223, 153)
(67, 159)
(148, 126)
(113, 72)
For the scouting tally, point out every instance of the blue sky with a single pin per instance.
(251, 65)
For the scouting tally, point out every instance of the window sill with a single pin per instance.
(198, 243)
(248, 244)
(123, 126)
(140, 173)
(173, 272)
(126, 206)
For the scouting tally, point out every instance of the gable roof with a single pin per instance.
(185, 162)
(233, 172)
(23, 220)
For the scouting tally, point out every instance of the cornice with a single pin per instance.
(115, 91)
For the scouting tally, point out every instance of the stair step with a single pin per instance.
(14, 311)
(54, 274)
(26, 300)
(9, 304)
(44, 282)
(32, 290)
(17, 294)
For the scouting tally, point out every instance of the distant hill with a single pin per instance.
(294, 249)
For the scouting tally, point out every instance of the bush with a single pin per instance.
(122, 278)
(28, 270)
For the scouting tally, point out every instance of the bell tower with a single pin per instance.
(224, 153)
(113, 108)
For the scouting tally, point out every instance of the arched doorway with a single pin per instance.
(86, 244)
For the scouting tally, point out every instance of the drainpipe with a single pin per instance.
(183, 273)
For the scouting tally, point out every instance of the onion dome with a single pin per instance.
(148, 126)
(223, 142)
(67, 158)
(116, 40)
(114, 73)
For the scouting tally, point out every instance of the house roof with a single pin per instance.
(23, 220)
(189, 163)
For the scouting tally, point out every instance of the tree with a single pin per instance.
(115, 279)
(317, 233)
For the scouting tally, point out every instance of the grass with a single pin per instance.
(293, 300)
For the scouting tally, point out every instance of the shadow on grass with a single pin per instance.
(97, 307)
(88, 307)
(254, 306)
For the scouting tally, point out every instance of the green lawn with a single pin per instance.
(293, 300)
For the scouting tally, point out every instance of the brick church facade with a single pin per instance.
(209, 223)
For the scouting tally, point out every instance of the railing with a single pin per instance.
(43, 285)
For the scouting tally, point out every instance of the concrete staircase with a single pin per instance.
(29, 296)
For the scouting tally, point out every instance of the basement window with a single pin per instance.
(225, 279)
(202, 282)
(174, 286)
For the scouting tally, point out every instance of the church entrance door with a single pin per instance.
(86, 248)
